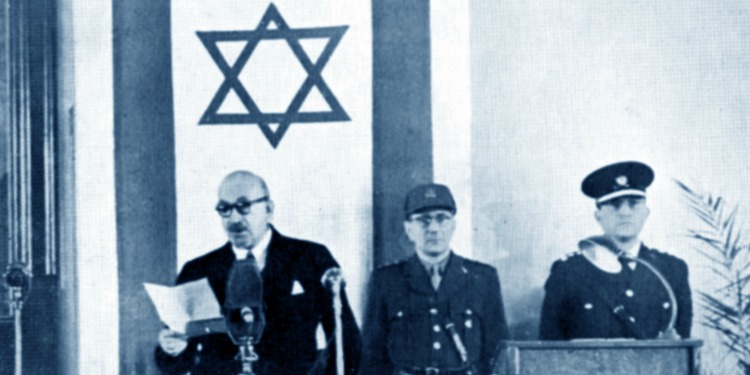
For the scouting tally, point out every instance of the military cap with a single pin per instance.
(429, 196)
(617, 180)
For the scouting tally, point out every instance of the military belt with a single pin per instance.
(436, 371)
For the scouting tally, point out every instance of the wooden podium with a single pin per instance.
(611, 357)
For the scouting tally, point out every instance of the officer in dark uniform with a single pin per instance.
(435, 312)
(586, 299)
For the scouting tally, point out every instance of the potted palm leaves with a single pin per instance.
(719, 239)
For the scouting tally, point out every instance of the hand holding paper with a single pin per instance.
(180, 305)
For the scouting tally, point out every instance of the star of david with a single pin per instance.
(313, 69)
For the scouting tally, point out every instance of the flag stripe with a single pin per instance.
(401, 126)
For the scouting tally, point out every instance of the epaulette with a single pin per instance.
(392, 263)
(569, 255)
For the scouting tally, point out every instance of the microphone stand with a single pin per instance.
(247, 355)
(247, 350)
(669, 332)
(18, 281)
(334, 280)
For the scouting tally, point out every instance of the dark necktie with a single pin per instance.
(435, 276)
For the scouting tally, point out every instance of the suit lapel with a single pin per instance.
(279, 272)
(454, 279)
(274, 254)
(219, 274)
(417, 277)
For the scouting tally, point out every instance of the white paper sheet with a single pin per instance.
(178, 305)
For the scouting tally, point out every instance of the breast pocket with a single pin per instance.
(468, 320)
(398, 337)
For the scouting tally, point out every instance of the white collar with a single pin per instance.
(634, 250)
(259, 250)
(440, 260)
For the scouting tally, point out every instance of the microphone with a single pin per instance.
(243, 306)
(332, 278)
(669, 332)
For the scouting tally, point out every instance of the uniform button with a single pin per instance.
(400, 314)
(588, 306)
(433, 311)
(469, 312)
(436, 345)
(629, 293)
(666, 305)
(436, 328)
(468, 324)
(199, 347)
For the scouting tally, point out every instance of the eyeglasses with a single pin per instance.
(426, 220)
(243, 206)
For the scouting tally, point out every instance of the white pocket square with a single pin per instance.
(297, 288)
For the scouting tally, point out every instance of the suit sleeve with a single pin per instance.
(552, 325)
(183, 362)
(496, 326)
(684, 301)
(375, 331)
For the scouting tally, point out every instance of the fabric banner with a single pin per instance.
(284, 90)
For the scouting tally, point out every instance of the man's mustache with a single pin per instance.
(237, 227)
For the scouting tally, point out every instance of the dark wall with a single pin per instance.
(144, 171)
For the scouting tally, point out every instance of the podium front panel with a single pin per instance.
(599, 357)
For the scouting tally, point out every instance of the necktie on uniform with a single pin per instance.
(627, 263)
(435, 276)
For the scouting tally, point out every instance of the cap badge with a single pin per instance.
(430, 194)
(622, 181)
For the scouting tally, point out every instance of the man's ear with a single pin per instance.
(270, 207)
(408, 229)
(597, 215)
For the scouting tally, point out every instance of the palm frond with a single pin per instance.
(721, 243)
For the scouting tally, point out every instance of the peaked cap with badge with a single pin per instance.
(629, 178)
(428, 197)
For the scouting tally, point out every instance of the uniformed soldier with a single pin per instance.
(435, 312)
(586, 298)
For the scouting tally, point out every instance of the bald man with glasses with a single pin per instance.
(435, 312)
(299, 321)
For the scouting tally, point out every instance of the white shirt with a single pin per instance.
(259, 250)
(633, 253)
(428, 262)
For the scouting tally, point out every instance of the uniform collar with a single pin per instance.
(441, 261)
(454, 280)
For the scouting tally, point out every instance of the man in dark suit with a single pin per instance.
(610, 296)
(299, 319)
(435, 312)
